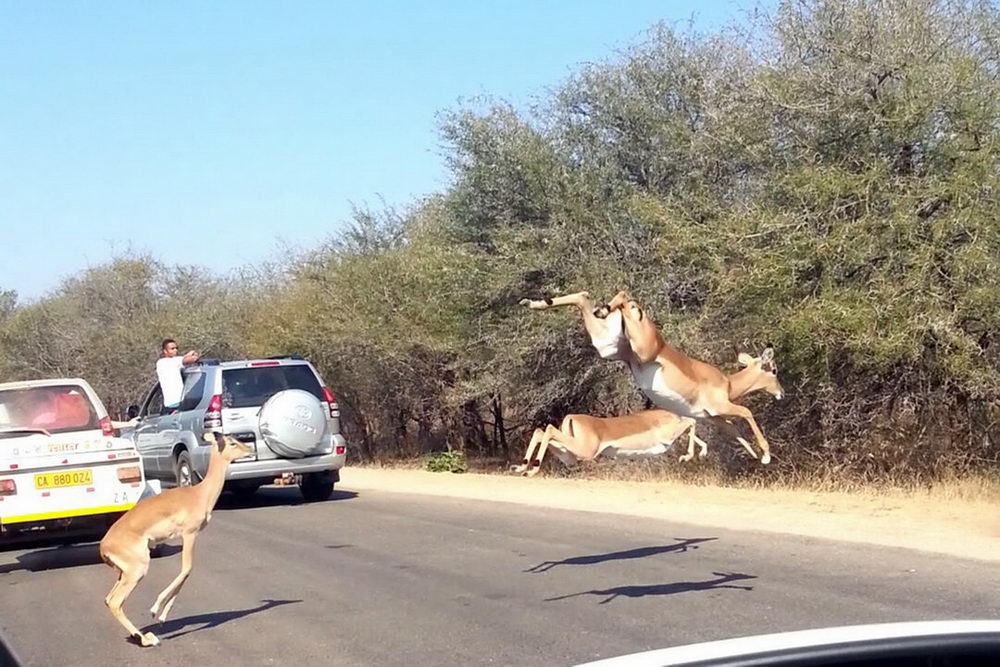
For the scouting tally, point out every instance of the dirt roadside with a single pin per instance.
(955, 527)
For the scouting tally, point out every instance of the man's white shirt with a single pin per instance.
(168, 370)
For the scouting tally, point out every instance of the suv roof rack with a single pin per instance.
(297, 357)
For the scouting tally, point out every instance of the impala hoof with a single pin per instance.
(149, 639)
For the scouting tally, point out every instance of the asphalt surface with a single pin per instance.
(393, 579)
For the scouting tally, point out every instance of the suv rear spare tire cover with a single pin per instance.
(292, 423)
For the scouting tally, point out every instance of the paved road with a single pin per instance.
(393, 579)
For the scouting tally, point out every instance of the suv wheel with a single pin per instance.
(184, 471)
(317, 486)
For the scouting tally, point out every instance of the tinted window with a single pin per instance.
(249, 387)
(194, 387)
(56, 409)
(154, 404)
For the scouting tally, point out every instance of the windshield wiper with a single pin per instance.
(5, 431)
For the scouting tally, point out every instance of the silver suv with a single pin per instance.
(279, 406)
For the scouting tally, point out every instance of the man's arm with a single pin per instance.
(190, 358)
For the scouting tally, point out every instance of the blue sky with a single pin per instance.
(217, 133)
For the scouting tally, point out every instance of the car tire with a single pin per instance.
(317, 486)
(293, 423)
(184, 472)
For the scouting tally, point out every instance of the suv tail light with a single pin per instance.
(213, 415)
(106, 427)
(331, 402)
(8, 487)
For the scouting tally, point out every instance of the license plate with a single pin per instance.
(53, 480)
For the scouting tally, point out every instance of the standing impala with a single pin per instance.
(179, 512)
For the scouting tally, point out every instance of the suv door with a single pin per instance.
(147, 431)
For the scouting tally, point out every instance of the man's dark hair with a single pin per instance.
(166, 341)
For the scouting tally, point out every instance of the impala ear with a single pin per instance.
(216, 439)
(744, 359)
(767, 360)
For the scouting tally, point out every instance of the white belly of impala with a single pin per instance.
(614, 343)
(649, 379)
(615, 452)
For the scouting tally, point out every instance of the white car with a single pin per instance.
(62, 468)
(969, 643)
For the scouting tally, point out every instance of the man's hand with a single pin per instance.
(190, 357)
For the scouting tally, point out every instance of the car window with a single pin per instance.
(249, 387)
(154, 404)
(56, 409)
(194, 389)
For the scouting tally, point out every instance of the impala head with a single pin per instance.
(642, 332)
(230, 448)
(766, 372)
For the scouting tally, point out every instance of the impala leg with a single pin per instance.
(115, 587)
(578, 299)
(536, 463)
(597, 327)
(567, 448)
(165, 600)
(130, 576)
(617, 301)
(702, 445)
(692, 440)
(733, 410)
(536, 440)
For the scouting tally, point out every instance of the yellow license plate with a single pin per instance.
(54, 480)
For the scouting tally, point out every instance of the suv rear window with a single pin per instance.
(251, 387)
(55, 409)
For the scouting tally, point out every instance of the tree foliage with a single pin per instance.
(823, 177)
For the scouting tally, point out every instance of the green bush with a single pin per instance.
(450, 461)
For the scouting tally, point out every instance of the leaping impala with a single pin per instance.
(645, 433)
(652, 432)
(179, 512)
(674, 381)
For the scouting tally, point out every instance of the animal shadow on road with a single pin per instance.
(210, 620)
(680, 546)
(722, 581)
(66, 556)
(275, 497)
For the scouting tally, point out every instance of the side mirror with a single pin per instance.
(132, 412)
